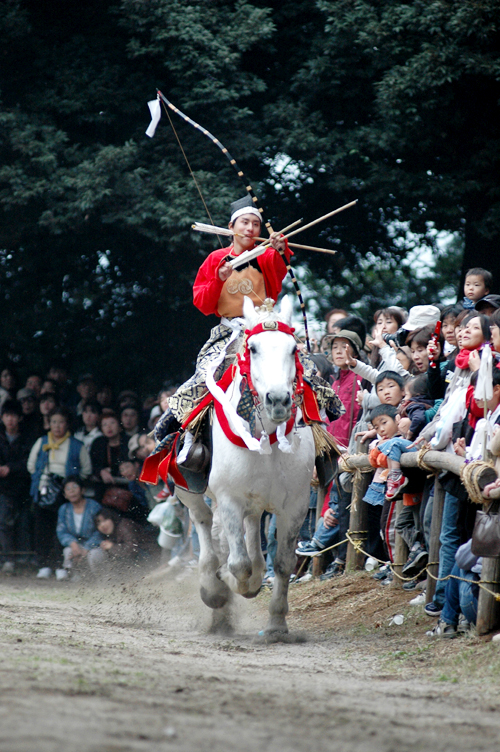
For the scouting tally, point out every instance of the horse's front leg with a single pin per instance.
(254, 548)
(213, 592)
(238, 570)
(284, 563)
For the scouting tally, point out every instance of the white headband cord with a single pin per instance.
(246, 210)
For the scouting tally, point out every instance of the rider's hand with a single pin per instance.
(225, 271)
(277, 241)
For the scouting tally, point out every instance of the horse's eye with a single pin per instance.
(252, 349)
(294, 349)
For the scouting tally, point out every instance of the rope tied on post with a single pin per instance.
(480, 583)
(421, 461)
(470, 476)
(346, 466)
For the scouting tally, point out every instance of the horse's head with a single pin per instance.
(272, 358)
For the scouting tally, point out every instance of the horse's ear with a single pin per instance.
(249, 312)
(286, 310)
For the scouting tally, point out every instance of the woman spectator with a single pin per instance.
(76, 529)
(495, 330)
(48, 402)
(52, 458)
(107, 451)
(91, 415)
(124, 540)
(387, 322)
(418, 341)
(105, 396)
(7, 385)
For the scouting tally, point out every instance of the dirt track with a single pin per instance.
(132, 667)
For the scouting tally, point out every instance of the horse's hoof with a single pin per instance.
(213, 600)
(252, 594)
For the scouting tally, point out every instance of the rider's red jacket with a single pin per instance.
(208, 286)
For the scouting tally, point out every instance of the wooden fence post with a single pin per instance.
(488, 608)
(437, 518)
(358, 519)
(400, 552)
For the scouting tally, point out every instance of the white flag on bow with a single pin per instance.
(155, 110)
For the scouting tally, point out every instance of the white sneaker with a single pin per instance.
(61, 574)
(44, 573)
(419, 600)
(8, 567)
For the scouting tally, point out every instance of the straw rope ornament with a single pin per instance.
(166, 103)
(470, 478)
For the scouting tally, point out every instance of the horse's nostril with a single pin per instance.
(268, 398)
(287, 401)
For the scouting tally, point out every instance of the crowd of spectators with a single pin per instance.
(70, 460)
(70, 499)
(410, 380)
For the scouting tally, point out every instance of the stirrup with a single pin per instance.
(197, 458)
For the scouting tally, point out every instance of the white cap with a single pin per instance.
(246, 210)
(422, 315)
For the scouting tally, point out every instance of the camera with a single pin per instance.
(398, 337)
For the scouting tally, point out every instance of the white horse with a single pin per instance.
(245, 483)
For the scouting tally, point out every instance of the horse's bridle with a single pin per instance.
(244, 360)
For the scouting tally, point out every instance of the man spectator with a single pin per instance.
(14, 485)
(32, 424)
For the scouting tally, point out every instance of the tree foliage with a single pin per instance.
(394, 103)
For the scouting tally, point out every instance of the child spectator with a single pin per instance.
(417, 406)
(91, 414)
(385, 420)
(390, 388)
(14, 485)
(52, 458)
(7, 384)
(477, 284)
(76, 529)
(375, 493)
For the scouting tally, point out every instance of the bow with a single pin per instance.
(248, 188)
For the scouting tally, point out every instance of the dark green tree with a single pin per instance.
(394, 103)
(94, 216)
(397, 104)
